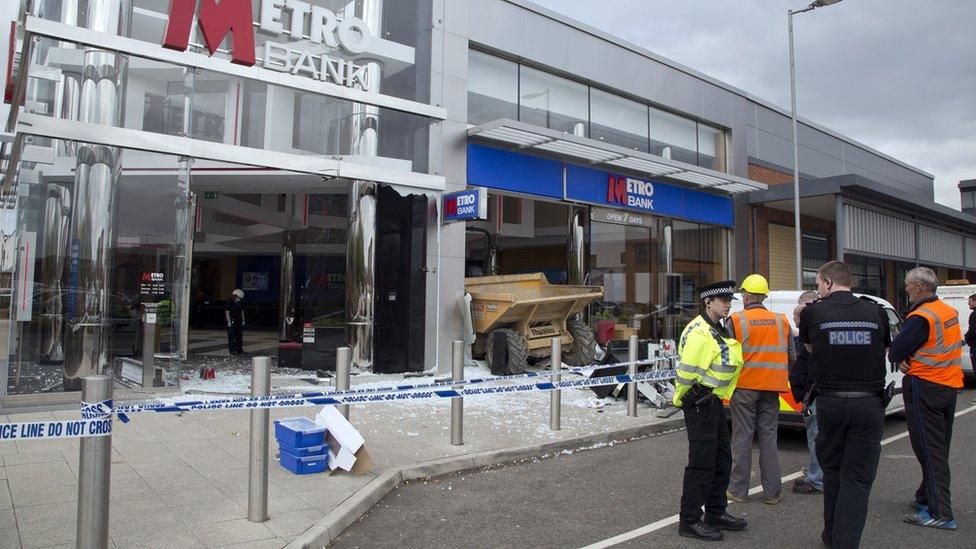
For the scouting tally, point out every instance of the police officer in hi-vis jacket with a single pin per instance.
(709, 363)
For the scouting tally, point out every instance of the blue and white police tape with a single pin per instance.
(133, 408)
(99, 424)
(335, 399)
(96, 421)
(40, 430)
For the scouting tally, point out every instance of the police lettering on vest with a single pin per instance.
(849, 336)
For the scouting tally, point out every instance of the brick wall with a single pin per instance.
(768, 176)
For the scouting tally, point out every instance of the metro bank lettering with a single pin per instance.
(631, 192)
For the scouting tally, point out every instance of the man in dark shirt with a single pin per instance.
(234, 314)
(812, 481)
(847, 338)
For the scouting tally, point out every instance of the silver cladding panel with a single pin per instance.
(877, 233)
(971, 253)
(939, 246)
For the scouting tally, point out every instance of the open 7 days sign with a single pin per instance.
(313, 24)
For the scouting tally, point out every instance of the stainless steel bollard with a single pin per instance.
(343, 363)
(257, 463)
(94, 473)
(149, 351)
(457, 404)
(632, 370)
(555, 397)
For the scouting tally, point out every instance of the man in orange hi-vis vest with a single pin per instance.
(768, 351)
(929, 351)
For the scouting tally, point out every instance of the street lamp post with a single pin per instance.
(796, 150)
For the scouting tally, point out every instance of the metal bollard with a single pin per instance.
(94, 473)
(149, 352)
(632, 370)
(343, 362)
(257, 464)
(555, 397)
(457, 403)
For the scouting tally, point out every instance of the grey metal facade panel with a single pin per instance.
(896, 174)
(752, 146)
(863, 172)
(817, 164)
(939, 246)
(864, 159)
(774, 149)
(716, 104)
(738, 140)
(970, 253)
(773, 122)
(820, 141)
(877, 233)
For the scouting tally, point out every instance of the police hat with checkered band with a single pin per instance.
(726, 289)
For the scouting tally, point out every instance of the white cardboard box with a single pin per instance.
(347, 449)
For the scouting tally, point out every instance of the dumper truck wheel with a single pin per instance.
(510, 360)
(582, 352)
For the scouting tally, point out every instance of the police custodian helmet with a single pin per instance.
(726, 288)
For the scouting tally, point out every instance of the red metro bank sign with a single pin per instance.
(299, 20)
(630, 192)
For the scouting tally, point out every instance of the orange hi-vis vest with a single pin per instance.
(939, 360)
(765, 338)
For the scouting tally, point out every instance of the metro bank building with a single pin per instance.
(161, 153)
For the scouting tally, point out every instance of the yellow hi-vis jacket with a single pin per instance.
(707, 358)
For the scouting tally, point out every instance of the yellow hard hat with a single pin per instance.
(755, 284)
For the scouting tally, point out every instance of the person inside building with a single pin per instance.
(709, 361)
(768, 352)
(234, 314)
(812, 480)
(847, 337)
(928, 350)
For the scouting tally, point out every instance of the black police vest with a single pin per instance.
(849, 336)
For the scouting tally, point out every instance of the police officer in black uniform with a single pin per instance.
(848, 338)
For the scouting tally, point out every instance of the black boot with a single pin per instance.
(699, 530)
(726, 521)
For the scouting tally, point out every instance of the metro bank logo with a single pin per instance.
(216, 20)
(626, 191)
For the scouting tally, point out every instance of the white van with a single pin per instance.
(784, 301)
(958, 297)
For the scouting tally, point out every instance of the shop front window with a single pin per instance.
(617, 120)
(164, 113)
(552, 102)
(674, 137)
(711, 148)
(492, 88)
(620, 262)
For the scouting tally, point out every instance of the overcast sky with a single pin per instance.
(896, 75)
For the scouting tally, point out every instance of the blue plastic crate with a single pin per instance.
(304, 465)
(299, 432)
(303, 452)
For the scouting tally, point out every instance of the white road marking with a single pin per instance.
(673, 519)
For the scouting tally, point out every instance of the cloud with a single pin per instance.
(896, 75)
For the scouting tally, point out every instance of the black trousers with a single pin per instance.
(930, 409)
(709, 461)
(235, 339)
(848, 448)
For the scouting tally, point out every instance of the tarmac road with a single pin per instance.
(601, 496)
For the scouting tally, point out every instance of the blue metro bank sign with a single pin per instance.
(654, 197)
